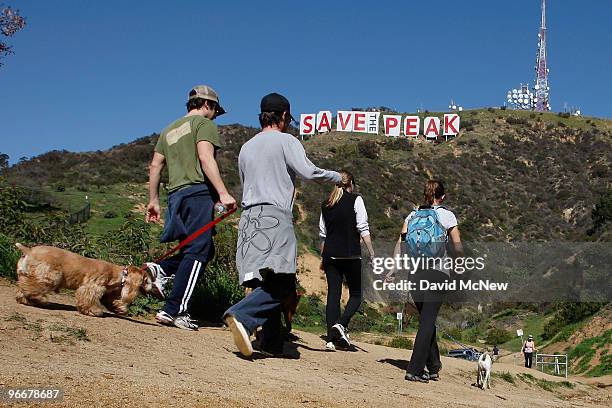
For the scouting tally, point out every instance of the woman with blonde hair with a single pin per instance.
(342, 225)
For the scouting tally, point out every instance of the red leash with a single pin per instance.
(197, 234)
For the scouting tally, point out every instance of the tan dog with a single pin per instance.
(100, 286)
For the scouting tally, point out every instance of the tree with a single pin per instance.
(10, 23)
(4, 162)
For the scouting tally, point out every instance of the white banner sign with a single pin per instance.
(369, 122)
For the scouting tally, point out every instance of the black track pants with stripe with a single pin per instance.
(189, 265)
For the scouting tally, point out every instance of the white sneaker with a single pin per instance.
(330, 346)
(158, 278)
(164, 318)
(185, 321)
(241, 336)
(343, 339)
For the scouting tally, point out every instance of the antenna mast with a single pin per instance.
(542, 102)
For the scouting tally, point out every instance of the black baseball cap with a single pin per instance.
(275, 102)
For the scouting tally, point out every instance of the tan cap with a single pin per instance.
(206, 92)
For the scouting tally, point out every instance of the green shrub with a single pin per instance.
(602, 213)
(506, 376)
(9, 255)
(456, 333)
(399, 143)
(584, 352)
(604, 367)
(12, 208)
(145, 305)
(567, 313)
(401, 342)
(310, 311)
(511, 120)
(498, 336)
(369, 149)
(219, 287)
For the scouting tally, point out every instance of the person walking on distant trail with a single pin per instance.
(528, 349)
(495, 352)
(342, 224)
(187, 147)
(425, 352)
(267, 247)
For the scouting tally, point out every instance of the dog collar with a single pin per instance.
(124, 275)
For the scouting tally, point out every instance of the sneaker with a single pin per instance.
(330, 346)
(185, 321)
(241, 336)
(343, 340)
(433, 376)
(416, 378)
(164, 318)
(158, 278)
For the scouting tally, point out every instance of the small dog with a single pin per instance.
(484, 371)
(100, 286)
(289, 306)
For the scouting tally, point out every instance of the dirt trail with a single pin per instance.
(135, 363)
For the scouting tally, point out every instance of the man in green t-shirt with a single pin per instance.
(187, 147)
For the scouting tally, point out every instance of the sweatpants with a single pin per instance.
(335, 271)
(263, 307)
(189, 265)
(528, 359)
(425, 352)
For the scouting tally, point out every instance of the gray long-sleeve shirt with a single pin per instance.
(269, 164)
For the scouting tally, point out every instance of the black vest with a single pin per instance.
(342, 239)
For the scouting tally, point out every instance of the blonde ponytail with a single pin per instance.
(338, 191)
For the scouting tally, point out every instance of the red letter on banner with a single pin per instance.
(345, 121)
(323, 121)
(451, 124)
(306, 124)
(432, 127)
(412, 125)
(359, 125)
(392, 125)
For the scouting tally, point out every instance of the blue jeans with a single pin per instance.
(263, 307)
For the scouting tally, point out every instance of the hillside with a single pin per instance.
(510, 175)
(132, 362)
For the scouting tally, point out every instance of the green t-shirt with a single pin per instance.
(178, 145)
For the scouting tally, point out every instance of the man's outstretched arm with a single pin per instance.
(295, 155)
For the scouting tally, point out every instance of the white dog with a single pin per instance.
(484, 371)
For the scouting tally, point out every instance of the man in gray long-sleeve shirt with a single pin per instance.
(267, 247)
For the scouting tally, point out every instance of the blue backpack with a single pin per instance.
(426, 237)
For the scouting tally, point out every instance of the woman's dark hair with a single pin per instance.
(270, 119)
(434, 189)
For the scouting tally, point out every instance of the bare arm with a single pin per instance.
(455, 238)
(206, 154)
(155, 168)
(368, 242)
(397, 251)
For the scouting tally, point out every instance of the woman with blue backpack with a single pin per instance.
(426, 231)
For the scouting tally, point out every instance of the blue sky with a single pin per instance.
(91, 74)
